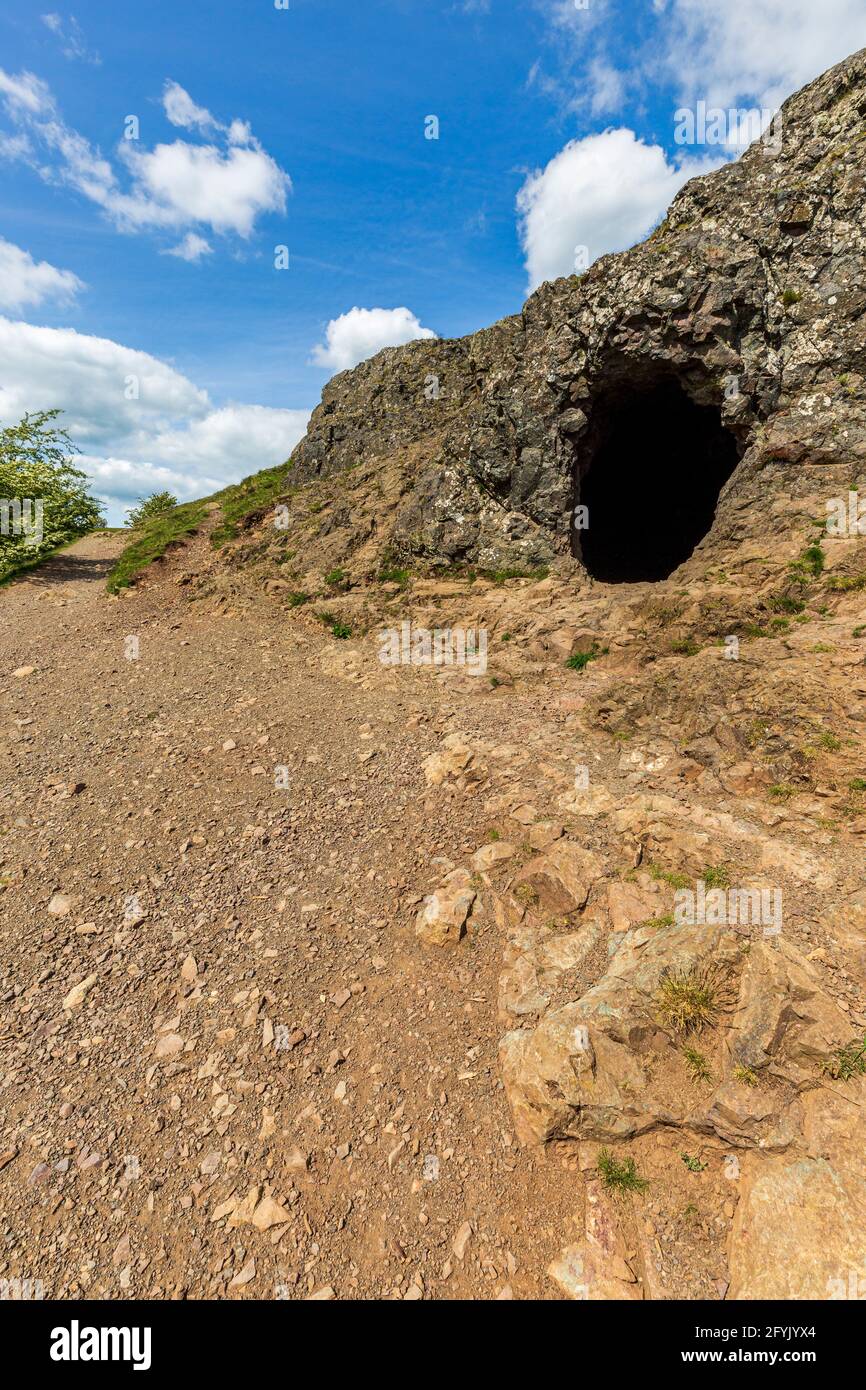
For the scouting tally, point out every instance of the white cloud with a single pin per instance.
(758, 54)
(182, 185)
(607, 87)
(192, 248)
(604, 192)
(181, 110)
(361, 333)
(72, 44)
(25, 93)
(25, 282)
(171, 436)
(768, 50)
(14, 147)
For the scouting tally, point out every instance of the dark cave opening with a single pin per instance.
(655, 463)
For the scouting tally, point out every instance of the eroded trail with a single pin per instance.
(228, 1068)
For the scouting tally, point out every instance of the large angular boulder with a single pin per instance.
(609, 1065)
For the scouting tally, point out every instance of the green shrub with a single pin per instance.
(44, 501)
(148, 507)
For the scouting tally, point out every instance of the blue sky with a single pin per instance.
(138, 289)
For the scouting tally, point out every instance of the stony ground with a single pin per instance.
(232, 1067)
(211, 985)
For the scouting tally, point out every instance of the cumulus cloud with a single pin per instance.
(141, 425)
(606, 191)
(181, 183)
(25, 282)
(223, 186)
(602, 193)
(360, 333)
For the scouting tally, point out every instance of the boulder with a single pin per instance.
(561, 878)
(442, 918)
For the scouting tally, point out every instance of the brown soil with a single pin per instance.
(286, 900)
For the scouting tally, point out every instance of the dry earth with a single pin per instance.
(296, 946)
(257, 1014)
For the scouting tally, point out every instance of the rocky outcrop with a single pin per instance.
(798, 1232)
(749, 298)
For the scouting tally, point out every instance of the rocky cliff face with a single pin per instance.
(747, 303)
(626, 743)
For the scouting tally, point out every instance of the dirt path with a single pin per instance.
(224, 847)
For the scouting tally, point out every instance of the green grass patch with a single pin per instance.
(668, 876)
(151, 541)
(716, 877)
(693, 1164)
(337, 579)
(254, 494)
(620, 1176)
(846, 583)
(812, 561)
(784, 603)
(500, 576)
(578, 661)
(336, 628)
(848, 1062)
(394, 575)
(781, 791)
(666, 920)
(698, 1066)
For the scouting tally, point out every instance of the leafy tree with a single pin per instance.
(44, 500)
(153, 505)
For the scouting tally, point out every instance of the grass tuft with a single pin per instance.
(620, 1176)
(848, 1061)
(578, 661)
(332, 622)
(667, 876)
(716, 877)
(698, 1066)
(689, 1000)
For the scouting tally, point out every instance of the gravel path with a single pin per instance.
(228, 1067)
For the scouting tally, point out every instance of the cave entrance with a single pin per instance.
(653, 463)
